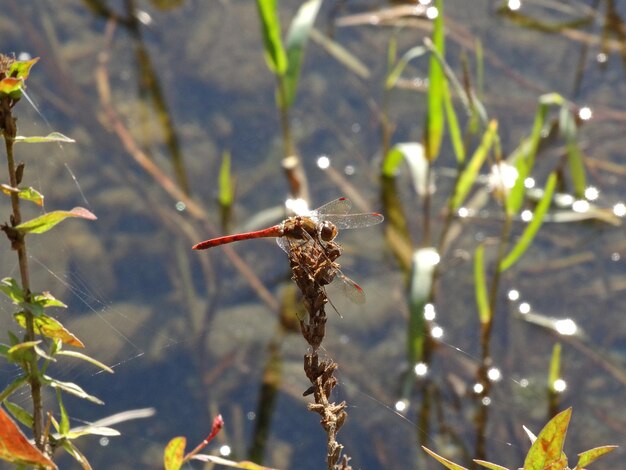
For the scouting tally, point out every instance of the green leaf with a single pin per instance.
(12, 290)
(21, 68)
(585, 458)
(296, 40)
(453, 126)
(574, 156)
(71, 449)
(45, 222)
(531, 229)
(422, 268)
(19, 413)
(52, 137)
(555, 367)
(433, 131)
(92, 431)
(226, 192)
(492, 466)
(469, 174)
(548, 447)
(275, 55)
(482, 300)
(51, 328)
(174, 453)
(73, 389)
(396, 71)
(84, 357)
(46, 299)
(23, 346)
(64, 425)
(413, 154)
(28, 194)
(445, 462)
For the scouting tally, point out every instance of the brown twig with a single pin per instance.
(313, 267)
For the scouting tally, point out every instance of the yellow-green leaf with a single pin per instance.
(45, 222)
(482, 300)
(21, 68)
(84, 357)
(174, 453)
(585, 458)
(548, 447)
(48, 326)
(531, 229)
(445, 462)
(52, 137)
(28, 194)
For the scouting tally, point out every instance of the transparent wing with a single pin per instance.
(347, 221)
(338, 206)
(349, 288)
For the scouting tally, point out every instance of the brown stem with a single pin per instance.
(32, 367)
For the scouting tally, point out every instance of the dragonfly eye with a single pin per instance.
(328, 231)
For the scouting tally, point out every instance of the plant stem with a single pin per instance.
(32, 367)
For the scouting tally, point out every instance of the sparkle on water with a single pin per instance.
(581, 206)
(323, 162)
(559, 385)
(524, 307)
(566, 327)
(429, 312)
(436, 332)
(401, 405)
(494, 374)
(619, 209)
(592, 193)
(529, 183)
(585, 113)
(463, 212)
(526, 215)
(432, 13)
(478, 388)
(513, 295)
(514, 5)
(420, 369)
(225, 450)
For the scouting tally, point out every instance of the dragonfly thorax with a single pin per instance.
(303, 227)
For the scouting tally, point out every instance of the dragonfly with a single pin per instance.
(319, 226)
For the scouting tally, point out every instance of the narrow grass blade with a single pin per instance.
(340, 54)
(424, 262)
(433, 131)
(226, 192)
(453, 126)
(482, 299)
(270, 28)
(468, 177)
(555, 367)
(491, 466)
(524, 156)
(531, 229)
(574, 156)
(397, 69)
(296, 40)
(445, 462)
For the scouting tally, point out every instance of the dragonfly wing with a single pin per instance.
(338, 206)
(347, 221)
(349, 288)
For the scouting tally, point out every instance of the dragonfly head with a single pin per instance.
(327, 231)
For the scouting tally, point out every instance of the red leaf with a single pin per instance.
(15, 448)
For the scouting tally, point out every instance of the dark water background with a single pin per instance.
(191, 345)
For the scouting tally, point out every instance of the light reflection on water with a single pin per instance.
(193, 352)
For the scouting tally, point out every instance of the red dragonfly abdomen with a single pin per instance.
(275, 231)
